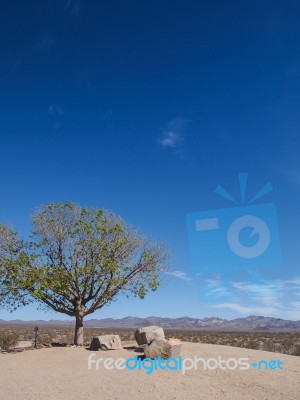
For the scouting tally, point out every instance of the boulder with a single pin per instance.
(163, 348)
(106, 342)
(148, 333)
(140, 349)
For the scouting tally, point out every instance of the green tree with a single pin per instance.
(76, 261)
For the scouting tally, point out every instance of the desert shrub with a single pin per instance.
(8, 340)
(296, 350)
(252, 345)
(68, 337)
(269, 345)
(45, 339)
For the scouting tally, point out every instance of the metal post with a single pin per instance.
(35, 335)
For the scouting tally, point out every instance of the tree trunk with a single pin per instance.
(78, 338)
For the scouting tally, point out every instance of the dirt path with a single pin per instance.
(63, 374)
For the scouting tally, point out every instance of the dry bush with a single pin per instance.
(252, 344)
(269, 345)
(8, 340)
(296, 350)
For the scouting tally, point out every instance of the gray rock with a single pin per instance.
(163, 348)
(148, 333)
(106, 342)
(140, 349)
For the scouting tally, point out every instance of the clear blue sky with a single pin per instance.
(144, 108)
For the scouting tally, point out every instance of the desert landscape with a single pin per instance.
(56, 369)
(62, 336)
(149, 208)
(62, 373)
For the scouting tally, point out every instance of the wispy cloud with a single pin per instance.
(170, 139)
(295, 282)
(278, 298)
(296, 304)
(267, 288)
(245, 310)
(173, 134)
(219, 291)
(56, 113)
(45, 43)
(292, 312)
(180, 275)
(215, 289)
(265, 293)
(55, 109)
(72, 7)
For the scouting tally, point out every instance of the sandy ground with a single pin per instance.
(62, 374)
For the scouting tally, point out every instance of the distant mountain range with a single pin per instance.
(252, 323)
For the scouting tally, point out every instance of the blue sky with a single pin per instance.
(144, 109)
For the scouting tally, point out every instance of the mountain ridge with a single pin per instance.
(250, 323)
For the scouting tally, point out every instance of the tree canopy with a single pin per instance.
(76, 261)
